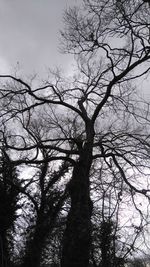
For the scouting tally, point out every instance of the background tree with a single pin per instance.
(49, 199)
(9, 197)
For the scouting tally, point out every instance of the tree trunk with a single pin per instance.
(34, 249)
(44, 226)
(77, 236)
(4, 255)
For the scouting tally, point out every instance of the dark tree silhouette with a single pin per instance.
(49, 201)
(104, 120)
(9, 196)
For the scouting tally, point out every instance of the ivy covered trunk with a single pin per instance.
(8, 207)
(77, 236)
(34, 246)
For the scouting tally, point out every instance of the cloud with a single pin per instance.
(4, 66)
(30, 33)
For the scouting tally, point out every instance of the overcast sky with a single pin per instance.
(29, 35)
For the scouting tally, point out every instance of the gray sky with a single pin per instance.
(29, 34)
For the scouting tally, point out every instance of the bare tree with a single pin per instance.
(103, 118)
